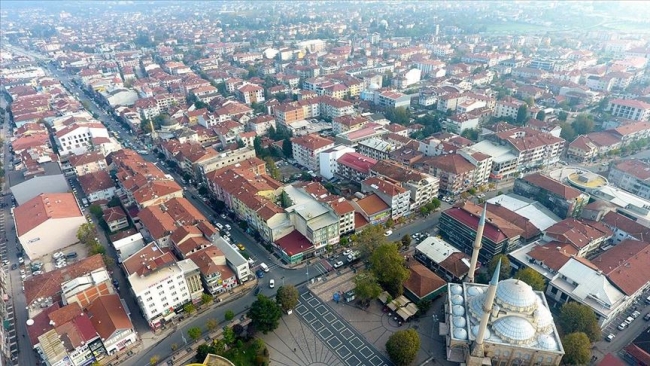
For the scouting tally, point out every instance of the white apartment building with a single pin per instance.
(307, 149)
(157, 283)
(508, 108)
(631, 175)
(392, 99)
(328, 160)
(80, 138)
(630, 109)
(394, 195)
(375, 148)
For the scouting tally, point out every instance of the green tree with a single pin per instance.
(583, 124)
(400, 115)
(406, 240)
(86, 233)
(388, 266)
(218, 347)
(522, 115)
(575, 317)
(287, 297)
(230, 315)
(260, 151)
(228, 335)
(96, 211)
(541, 115)
(505, 266)
(577, 349)
(436, 203)
(530, 101)
(366, 287)
(212, 324)
(153, 361)
(470, 134)
(287, 147)
(202, 352)
(424, 211)
(206, 299)
(562, 116)
(403, 346)
(531, 277)
(189, 308)
(285, 200)
(567, 133)
(194, 333)
(265, 314)
(369, 239)
(273, 170)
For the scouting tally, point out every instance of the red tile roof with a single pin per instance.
(553, 186)
(108, 316)
(626, 265)
(357, 162)
(422, 281)
(294, 243)
(372, 204)
(43, 207)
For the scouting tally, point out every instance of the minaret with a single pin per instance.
(477, 245)
(478, 351)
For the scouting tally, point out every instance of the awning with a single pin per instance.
(169, 316)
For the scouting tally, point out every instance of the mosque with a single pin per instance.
(501, 324)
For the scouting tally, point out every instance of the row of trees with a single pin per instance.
(87, 235)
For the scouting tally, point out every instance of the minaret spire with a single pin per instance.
(478, 350)
(477, 245)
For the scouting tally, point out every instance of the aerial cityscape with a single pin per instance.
(324, 183)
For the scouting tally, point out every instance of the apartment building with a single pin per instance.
(338, 205)
(250, 93)
(455, 173)
(348, 123)
(533, 148)
(157, 283)
(585, 237)
(307, 148)
(312, 218)
(561, 199)
(375, 148)
(629, 109)
(216, 276)
(392, 193)
(328, 160)
(632, 175)
(391, 99)
(80, 138)
(90, 162)
(354, 166)
(423, 187)
(508, 108)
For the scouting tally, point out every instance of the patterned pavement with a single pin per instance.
(341, 337)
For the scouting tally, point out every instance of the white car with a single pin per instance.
(610, 338)
(338, 264)
(219, 226)
(347, 252)
(388, 233)
(271, 283)
(228, 227)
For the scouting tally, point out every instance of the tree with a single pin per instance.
(530, 101)
(577, 349)
(218, 347)
(436, 203)
(505, 266)
(287, 147)
(575, 317)
(583, 124)
(562, 116)
(265, 314)
(230, 315)
(531, 277)
(366, 287)
(403, 346)
(522, 114)
(153, 361)
(285, 200)
(541, 115)
(273, 170)
(470, 133)
(228, 335)
(260, 151)
(287, 297)
(202, 352)
(238, 329)
(189, 308)
(206, 299)
(369, 239)
(398, 115)
(567, 133)
(406, 240)
(194, 333)
(388, 266)
(96, 211)
(212, 324)
(86, 233)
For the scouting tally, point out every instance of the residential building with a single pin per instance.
(504, 161)
(455, 173)
(375, 148)
(393, 194)
(112, 323)
(115, 218)
(630, 109)
(328, 160)
(534, 149)
(80, 138)
(192, 276)
(307, 148)
(373, 209)
(216, 276)
(98, 186)
(89, 162)
(391, 99)
(632, 175)
(562, 200)
(312, 219)
(584, 236)
(354, 166)
(423, 187)
(442, 258)
(36, 179)
(47, 223)
(237, 263)
(261, 124)
(250, 93)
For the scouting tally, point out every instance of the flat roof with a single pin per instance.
(143, 283)
(437, 249)
(498, 153)
(538, 215)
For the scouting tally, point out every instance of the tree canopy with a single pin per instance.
(522, 115)
(398, 115)
(369, 239)
(366, 287)
(403, 346)
(287, 297)
(577, 349)
(531, 277)
(388, 266)
(505, 266)
(583, 124)
(575, 317)
(265, 314)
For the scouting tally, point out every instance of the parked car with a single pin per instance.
(610, 337)
(388, 233)
(271, 283)
(241, 247)
(646, 317)
(259, 273)
(622, 326)
(338, 264)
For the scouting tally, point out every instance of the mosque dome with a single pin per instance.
(459, 322)
(374, 86)
(515, 329)
(546, 341)
(473, 291)
(514, 294)
(476, 306)
(544, 319)
(456, 289)
(457, 300)
(458, 310)
(475, 328)
(460, 333)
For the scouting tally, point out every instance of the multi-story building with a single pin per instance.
(630, 109)
(455, 173)
(250, 93)
(508, 108)
(80, 138)
(533, 148)
(584, 236)
(393, 194)
(631, 175)
(112, 323)
(392, 99)
(328, 159)
(375, 148)
(423, 187)
(89, 162)
(482, 163)
(562, 200)
(306, 150)
(261, 124)
(157, 283)
(312, 218)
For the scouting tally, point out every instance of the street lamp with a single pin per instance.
(183, 337)
(282, 280)
(307, 269)
(434, 319)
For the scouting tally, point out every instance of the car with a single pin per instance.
(629, 320)
(222, 216)
(14, 266)
(259, 273)
(622, 326)
(338, 264)
(228, 227)
(241, 247)
(219, 226)
(388, 233)
(271, 283)
(610, 337)
(347, 252)
(257, 291)
(646, 317)
(635, 314)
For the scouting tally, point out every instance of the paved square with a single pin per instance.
(343, 351)
(317, 325)
(307, 295)
(365, 352)
(325, 333)
(338, 325)
(356, 342)
(346, 333)
(329, 317)
(334, 342)
(309, 317)
(353, 360)
(314, 302)
(321, 309)
(301, 309)
(376, 360)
